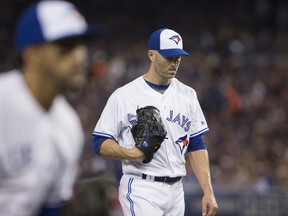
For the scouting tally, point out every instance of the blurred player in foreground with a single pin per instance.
(41, 137)
(155, 188)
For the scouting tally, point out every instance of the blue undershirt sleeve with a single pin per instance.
(196, 143)
(50, 212)
(97, 142)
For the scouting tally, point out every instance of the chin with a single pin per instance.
(77, 84)
(171, 74)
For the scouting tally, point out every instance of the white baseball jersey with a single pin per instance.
(39, 150)
(180, 112)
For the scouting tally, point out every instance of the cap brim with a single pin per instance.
(173, 52)
(98, 30)
(93, 31)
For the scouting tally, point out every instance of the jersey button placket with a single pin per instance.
(163, 104)
(163, 111)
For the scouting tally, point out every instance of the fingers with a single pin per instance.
(211, 212)
(204, 212)
(209, 209)
(204, 208)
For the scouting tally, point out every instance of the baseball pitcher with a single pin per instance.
(150, 124)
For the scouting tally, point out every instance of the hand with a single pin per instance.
(209, 205)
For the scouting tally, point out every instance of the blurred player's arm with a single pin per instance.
(199, 161)
(111, 149)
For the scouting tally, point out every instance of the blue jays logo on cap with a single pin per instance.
(175, 38)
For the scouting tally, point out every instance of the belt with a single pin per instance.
(164, 179)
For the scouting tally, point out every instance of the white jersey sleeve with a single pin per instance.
(198, 121)
(109, 124)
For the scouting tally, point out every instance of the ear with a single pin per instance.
(151, 54)
(27, 55)
(30, 53)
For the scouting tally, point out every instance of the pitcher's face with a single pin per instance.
(165, 67)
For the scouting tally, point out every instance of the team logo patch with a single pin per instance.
(182, 142)
(175, 38)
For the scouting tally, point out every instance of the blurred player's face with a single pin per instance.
(165, 67)
(65, 62)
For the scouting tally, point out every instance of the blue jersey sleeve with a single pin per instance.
(50, 212)
(97, 142)
(196, 143)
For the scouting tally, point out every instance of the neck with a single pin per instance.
(153, 77)
(41, 88)
(158, 88)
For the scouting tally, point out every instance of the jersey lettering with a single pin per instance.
(18, 159)
(185, 123)
(188, 125)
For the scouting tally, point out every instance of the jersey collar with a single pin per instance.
(157, 87)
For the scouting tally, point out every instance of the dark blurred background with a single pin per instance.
(238, 66)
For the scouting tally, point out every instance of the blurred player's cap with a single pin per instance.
(167, 42)
(51, 20)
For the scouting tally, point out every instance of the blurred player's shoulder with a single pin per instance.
(9, 79)
(14, 92)
(66, 117)
(15, 95)
(62, 106)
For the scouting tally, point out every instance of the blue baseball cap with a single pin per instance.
(51, 20)
(167, 42)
